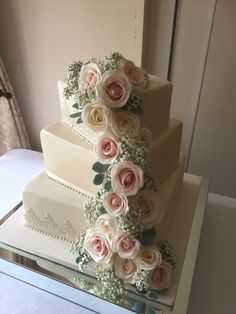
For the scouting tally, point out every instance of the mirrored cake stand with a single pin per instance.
(48, 264)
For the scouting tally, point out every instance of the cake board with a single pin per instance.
(53, 254)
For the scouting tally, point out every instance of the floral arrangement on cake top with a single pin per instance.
(121, 239)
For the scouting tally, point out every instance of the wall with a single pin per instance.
(213, 152)
(38, 39)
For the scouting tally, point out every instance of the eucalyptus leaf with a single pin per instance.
(76, 114)
(137, 110)
(78, 259)
(98, 179)
(147, 237)
(107, 186)
(99, 167)
(76, 106)
(79, 120)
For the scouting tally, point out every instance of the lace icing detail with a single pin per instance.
(48, 226)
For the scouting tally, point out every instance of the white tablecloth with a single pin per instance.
(17, 167)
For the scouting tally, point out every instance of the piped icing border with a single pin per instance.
(79, 135)
(68, 185)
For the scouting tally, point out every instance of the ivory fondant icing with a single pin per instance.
(68, 158)
(49, 205)
(156, 104)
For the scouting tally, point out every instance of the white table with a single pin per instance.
(24, 165)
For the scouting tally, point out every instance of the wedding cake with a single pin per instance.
(113, 174)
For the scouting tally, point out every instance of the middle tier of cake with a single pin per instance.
(69, 159)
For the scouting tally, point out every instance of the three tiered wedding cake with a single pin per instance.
(113, 174)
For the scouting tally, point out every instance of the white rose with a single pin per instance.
(148, 206)
(148, 257)
(127, 178)
(114, 89)
(89, 75)
(125, 269)
(97, 245)
(96, 116)
(108, 225)
(124, 122)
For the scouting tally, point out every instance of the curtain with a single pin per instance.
(12, 129)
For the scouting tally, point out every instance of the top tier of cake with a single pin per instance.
(155, 98)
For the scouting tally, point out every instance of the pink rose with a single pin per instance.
(116, 204)
(125, 269)
(160, 277)
(149, 208)
(107, 149)
(114, 89)
(135, 74)
(89, 75)
(125, 246)
(97, 245)
(126, 178)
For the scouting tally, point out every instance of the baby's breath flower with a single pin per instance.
(141, 280)
(94, 208)
(112, 286)
(130, 225)
(167, 253)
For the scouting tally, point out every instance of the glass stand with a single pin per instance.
(46, 262)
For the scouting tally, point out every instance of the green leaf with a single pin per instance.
(79, 120)
(137, 110)
(79, 258)
(107, 186)
(76, 106)
(98, 179)
(99, 167)
(147, 237)
(76, 115)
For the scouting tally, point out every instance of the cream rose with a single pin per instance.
(148, 257)
(89, 75)
(107, 149)
(115, 204)
(108, 225)
(114, 89)
(135, 74)
(125, 269)
(97, 245)
(96, 116)
(149, 208)
(125, 246)
(127, 178)
(160, 277)
(124, 122)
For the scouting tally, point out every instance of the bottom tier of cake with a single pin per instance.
(56, 210)
(184, 233)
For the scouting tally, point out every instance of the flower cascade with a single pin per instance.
(122, 215)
